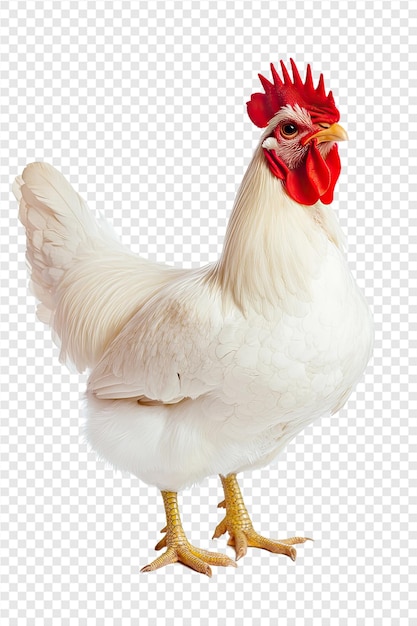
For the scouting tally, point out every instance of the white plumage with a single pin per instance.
(232, 387)
(207, 371)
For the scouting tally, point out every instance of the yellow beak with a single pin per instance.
(335, 132)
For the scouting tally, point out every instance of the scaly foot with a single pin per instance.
(239, 525)
(178, 547)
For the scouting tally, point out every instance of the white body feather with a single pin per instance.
(199, 372)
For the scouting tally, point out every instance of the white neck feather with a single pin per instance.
(273, 246)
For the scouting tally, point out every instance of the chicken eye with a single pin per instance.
(289, 130)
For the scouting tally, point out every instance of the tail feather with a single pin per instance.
(57, 223)
(87, 283)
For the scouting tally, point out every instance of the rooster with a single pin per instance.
(196, 372)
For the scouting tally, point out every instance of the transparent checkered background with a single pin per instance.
(142, 106)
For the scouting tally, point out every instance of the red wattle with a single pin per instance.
(333, 163)
(317, 170)
(277, 167)
(312, 180)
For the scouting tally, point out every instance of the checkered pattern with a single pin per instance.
(142, 106)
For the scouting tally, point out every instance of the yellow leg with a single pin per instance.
(178, 547)
(239, 525)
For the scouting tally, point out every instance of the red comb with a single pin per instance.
(263, 106)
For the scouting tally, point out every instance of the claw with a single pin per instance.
(220, 529)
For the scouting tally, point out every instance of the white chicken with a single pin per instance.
(211, 370)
